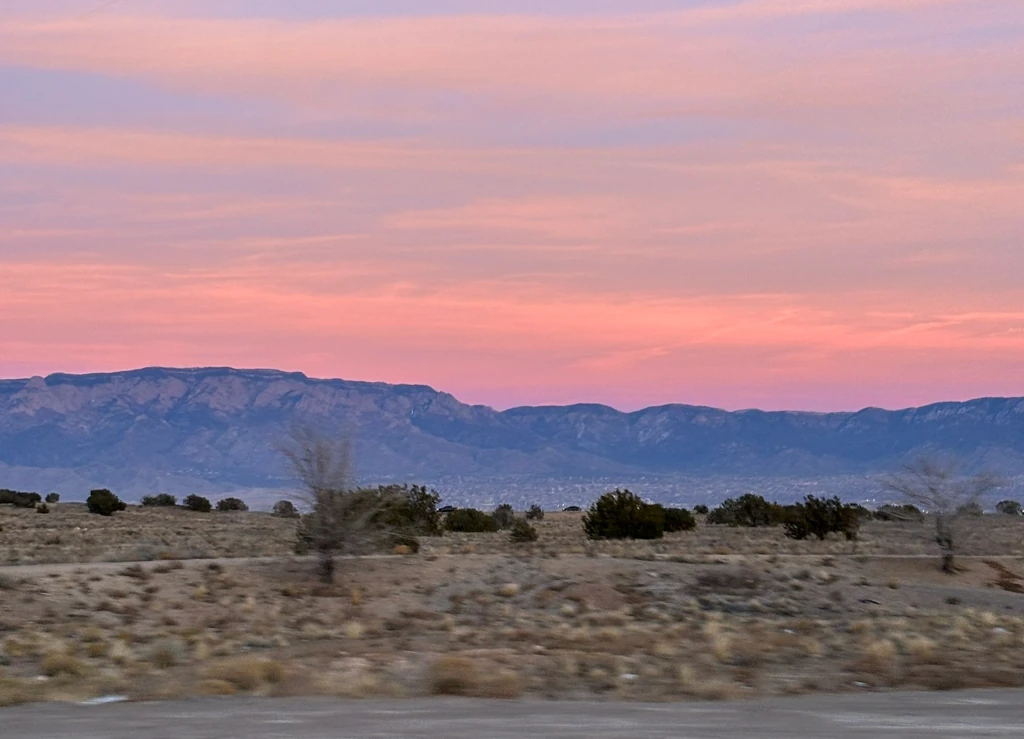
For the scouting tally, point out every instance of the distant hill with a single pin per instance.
(216, 429)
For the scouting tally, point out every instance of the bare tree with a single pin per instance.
(338, 518)
(944, 491)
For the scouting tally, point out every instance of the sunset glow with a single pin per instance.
(772, 203)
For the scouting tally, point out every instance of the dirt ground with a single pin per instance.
(711, 614)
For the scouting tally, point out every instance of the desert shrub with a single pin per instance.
(246, 673)
(678, 519)
(230, 505)
(399, 540)
(470, 520)
(623, 515)
(505, 516)
(700, 509)
(535, 513)
(197, 503)
(20, 500)
(285, 509)
(970, 509)
(747, 510)
(42, 508)
(521, 532)
(53, 498)
(893, 512)
(163, 500)
(863, 513)
(1009, 508)
(57, 663)
(409, 509)
(820, 517)
(104, 503)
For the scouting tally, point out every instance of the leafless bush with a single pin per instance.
(338, 519)
(941, 488)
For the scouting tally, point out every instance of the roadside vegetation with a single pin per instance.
(626, 600)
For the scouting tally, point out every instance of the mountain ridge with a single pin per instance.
(216, 428)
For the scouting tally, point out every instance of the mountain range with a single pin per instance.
(218, 429)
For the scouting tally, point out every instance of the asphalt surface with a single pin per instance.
(906, 715)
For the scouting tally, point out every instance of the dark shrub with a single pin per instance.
(198, 503)
(470, 520)
(970, 509)
(163, 500)
(905, 512)
(285, 509)
(20, 500)
(53, 498)
(505, 516)
(701, 510)
(521, 532)
(1008, 508)
(747, 510)
(623, 515)
(104, 503)
(536, 513)
(820, 517)
(678, 519)
(232, 505)
(42, 508)
(410, 509)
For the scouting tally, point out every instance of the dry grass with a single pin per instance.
(246, 674)
(713, 614)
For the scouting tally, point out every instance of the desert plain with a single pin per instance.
(167, 603)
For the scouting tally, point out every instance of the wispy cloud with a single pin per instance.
(760, 202)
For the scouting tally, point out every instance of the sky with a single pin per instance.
(784, 204)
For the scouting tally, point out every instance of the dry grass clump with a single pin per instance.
(62, 664)
(453, 675)
(14, 692)
(246, 673)
(461, 676)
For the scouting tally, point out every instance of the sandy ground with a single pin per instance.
(707, 615)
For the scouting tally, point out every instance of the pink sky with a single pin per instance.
(771, 203)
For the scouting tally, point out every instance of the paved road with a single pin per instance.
(874, 716)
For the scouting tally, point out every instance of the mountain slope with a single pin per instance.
(217, 429)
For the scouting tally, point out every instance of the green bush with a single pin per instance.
(505, 516)
(231, 505)
(470, 520)
(1009, 508)
(536, 513)
(20, 500)
(820, 517)
(678, 519)
(700, 509)
(198, 504)
(623, 515)
(521, 532)
(53, 498)
(747, 510)
(906, 512)
(410, 509)
(163, 500)
(42, 508)
(104, 503)
(285, 509)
